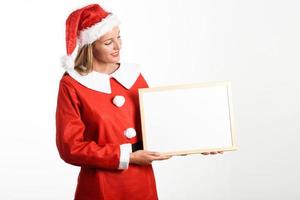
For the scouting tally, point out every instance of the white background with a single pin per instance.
(255, 44)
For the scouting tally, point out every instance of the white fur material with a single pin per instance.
(126, 75)
(67, 62)
(119, 100)
(91, 34)
(125, 150)
(130, 133)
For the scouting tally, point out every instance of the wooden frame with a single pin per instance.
(188, 119)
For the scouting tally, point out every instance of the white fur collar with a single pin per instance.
(126, 75)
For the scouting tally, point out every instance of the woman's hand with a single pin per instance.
(206, 153)
(213, 152)
(143, 157)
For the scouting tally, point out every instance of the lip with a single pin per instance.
(115, 54)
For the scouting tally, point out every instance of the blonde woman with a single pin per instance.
(97, 118)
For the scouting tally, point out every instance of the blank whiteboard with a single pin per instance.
(187, 119)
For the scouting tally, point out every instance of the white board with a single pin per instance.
(186, 119)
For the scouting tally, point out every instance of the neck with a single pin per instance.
(104, 67)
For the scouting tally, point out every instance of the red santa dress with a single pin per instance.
(95, 128)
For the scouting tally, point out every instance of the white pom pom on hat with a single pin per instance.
(67, 62)
(84, 26)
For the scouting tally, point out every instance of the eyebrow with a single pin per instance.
(112, 38)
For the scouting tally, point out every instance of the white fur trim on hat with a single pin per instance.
(91, 34)
(67, 62)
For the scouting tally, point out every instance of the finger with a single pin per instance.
(167, 156)
(158, 154)
(153, 153)
(162, 157)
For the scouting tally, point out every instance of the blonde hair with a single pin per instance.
(84, 59)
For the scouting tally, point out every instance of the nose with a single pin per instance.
(117, 45)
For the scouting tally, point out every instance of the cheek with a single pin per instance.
(103, 51)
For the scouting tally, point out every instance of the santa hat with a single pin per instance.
(84, 26)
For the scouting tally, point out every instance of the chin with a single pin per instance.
(115, 60)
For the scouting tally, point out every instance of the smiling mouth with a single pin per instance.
(115, 54)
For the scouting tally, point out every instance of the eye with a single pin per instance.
(108, 43)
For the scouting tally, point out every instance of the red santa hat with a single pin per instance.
(84, 26)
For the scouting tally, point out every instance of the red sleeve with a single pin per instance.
(69, 135)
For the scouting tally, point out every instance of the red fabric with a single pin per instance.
(81, 19)
(89, 131)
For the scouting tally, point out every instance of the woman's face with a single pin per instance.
(106, 48)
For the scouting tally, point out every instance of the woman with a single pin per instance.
(97, 117)
(98, 124)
